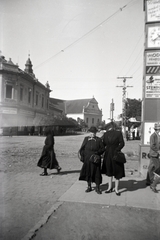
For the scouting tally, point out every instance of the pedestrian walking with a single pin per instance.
(48, 157)
(90, 154)
(10, 132)
(153, 175)
(113, 142)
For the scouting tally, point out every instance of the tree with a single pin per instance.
(133, 108)
(81, 123)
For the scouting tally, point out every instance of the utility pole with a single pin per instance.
(124, 87)
(111, 110)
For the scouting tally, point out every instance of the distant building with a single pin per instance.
(56, 106)
(85, 109)
(24, 101)
(26, 106)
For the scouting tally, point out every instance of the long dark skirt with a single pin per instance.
(113, 168)
(91, 173)
(48, 161)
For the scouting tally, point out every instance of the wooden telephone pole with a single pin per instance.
(111, 110)
(124, 87)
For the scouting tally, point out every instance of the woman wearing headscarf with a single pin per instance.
(91, 172)
(48, 157)
(113, 142)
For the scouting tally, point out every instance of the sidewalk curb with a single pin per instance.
(32, 232)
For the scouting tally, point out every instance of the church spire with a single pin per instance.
(28, 66)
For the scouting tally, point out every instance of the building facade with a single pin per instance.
(85, 109)
(26, 106)
(23, 99)
(25, 103)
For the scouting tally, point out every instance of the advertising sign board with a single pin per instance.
(153, 58)
(152, 86)
(152, 10)
(144, 160)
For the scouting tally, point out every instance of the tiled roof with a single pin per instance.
(72, 106)
(76, 106)
(57, 103)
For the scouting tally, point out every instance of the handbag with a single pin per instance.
(120, 157)
(96, 159)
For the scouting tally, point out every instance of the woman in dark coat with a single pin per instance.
(48, 157)
(114, 142)
(91, 172)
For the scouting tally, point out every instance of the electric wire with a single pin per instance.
(132, 52)
(76, 41)
(135, 60)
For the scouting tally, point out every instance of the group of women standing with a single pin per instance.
(111, 142)
(92, 149)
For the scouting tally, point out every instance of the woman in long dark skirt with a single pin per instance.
(48, 157)
(91, 172)
(114, 142)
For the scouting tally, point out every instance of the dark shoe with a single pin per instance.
(109, 191)
(59, 169)
(43, 174)
(153, 189)
(89, 189)
(98, 191)
(118, 193)
(148, 184)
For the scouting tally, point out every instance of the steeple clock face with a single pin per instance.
(153, 36)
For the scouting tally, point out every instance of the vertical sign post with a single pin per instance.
(111, 110)
(151, 79)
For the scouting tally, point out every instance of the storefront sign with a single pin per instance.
(144, 160)
(154, 70)
(153, 11)
(152, 89)
(153, 58)
(9, 110)
(153, 62)
(25, 112)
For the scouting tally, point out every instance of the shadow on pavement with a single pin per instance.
(128, 185)
(132, 185)
(66, 172)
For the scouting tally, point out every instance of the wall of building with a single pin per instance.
(19, 104)
(75, 116)
(92, 113)
(92, 119)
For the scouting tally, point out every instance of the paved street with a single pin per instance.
(27, 200)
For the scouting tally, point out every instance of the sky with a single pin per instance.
(83, 48)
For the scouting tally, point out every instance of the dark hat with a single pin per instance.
(48, 130)
(93, 129)
(157, 126)
(111, 125)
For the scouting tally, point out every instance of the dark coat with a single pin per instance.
(91, 172)
(154, 165)
(113, 142)
(154, 145)
(48, 157)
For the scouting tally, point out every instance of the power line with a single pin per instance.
(124, 87)
(76, 41)
(132, 52)
(135, 60)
